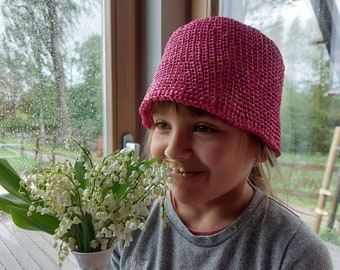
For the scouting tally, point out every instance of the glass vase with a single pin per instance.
(94, 260)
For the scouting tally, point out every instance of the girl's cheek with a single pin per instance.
(156, 147)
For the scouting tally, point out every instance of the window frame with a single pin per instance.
(124, 63)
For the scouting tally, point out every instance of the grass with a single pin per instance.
(317, 159)
(22, 157)
(18, 160)
(309, 181)
(330, 236)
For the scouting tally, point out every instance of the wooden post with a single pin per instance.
(335, 204)
(324, 191)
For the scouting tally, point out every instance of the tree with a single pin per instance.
(35, 32)
(306, 113)
(11, 87)
(85, 99)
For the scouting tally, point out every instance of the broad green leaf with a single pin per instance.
(36, 222)
(79, 168)
(7, 200)
(10, 180)
(79, 171)
(120, 191)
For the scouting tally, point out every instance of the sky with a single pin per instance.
(88, 24)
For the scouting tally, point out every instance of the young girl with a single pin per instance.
(213, 107)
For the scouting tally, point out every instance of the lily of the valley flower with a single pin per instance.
(95, 204)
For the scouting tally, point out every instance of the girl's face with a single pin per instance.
(217, 157)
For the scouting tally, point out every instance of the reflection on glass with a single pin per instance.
(309, 113)
(335, 49)
(51, 78)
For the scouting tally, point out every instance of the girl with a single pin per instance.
(213, 107)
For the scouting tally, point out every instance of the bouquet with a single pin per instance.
(86, 206)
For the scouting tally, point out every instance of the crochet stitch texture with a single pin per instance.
(227, 68)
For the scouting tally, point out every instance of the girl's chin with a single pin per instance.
(181, 197)
(184, 193)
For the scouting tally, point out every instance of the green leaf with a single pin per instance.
(120, 191)
(9, 179)
(36, 222)
(79, 171)
(7, 200)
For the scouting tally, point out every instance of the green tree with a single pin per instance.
(320, 104)
(306, 113)
(35, 32)
(11, 88)
(85, 100)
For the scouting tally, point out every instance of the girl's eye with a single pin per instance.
(161, 125)
(203, 129)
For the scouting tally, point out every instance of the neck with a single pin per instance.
(215, 215)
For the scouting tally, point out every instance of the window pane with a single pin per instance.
(50, 79)
(309, 114)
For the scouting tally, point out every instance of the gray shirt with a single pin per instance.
(266, 236)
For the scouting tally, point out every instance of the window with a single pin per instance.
(308, 114)
(307, 33)
(51, 79)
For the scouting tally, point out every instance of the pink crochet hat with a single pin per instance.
(229, 69)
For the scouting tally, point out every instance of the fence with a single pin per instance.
(324, 194)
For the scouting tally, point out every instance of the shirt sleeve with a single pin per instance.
(306, 251)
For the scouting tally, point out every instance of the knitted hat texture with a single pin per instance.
(227, 68)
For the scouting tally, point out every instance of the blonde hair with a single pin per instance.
(263, 172)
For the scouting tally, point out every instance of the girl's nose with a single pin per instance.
(179, 146)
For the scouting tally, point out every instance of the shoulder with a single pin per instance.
(303, 247)
(275, 215)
